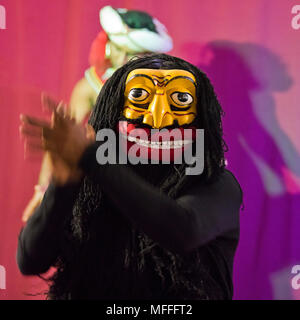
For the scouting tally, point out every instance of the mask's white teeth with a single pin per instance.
(159, 144)
(131, 139)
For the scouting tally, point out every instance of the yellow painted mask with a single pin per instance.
(161, 97)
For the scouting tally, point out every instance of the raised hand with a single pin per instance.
(61, 137)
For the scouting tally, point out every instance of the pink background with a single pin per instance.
(249, 50)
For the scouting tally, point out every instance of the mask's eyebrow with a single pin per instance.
(181, 77)
(141, 75)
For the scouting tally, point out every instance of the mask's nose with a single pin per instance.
(160, 114)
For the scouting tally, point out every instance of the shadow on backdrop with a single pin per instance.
(264, 159)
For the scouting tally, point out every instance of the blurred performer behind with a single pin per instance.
(126, 33)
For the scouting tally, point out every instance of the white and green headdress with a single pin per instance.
(135, 30)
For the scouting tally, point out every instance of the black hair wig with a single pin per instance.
(77, 267)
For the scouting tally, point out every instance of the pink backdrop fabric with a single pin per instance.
(250, 51)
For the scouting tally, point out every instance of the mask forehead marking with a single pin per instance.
(160, 81)
(161, 78)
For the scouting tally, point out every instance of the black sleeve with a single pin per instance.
(39, 241)
(180, 225)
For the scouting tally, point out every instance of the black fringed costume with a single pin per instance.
(139, 232)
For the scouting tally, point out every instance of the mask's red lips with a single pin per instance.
(178, 134)
(167, 144)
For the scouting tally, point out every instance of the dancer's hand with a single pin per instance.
(61, 137)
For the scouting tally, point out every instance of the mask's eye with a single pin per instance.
(182, 98)
(138, 94)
